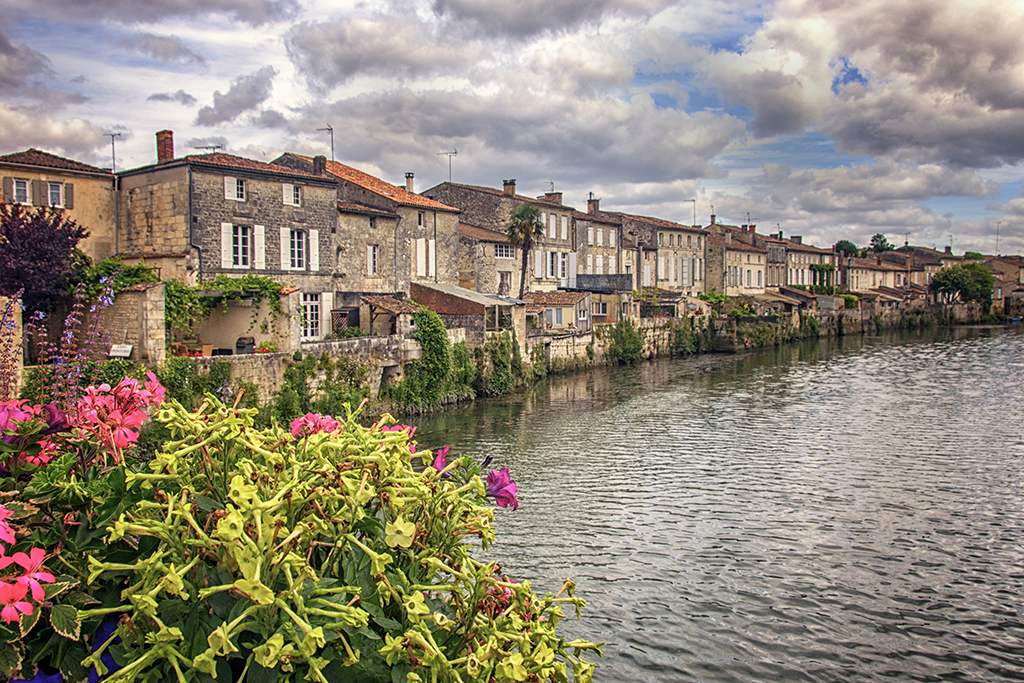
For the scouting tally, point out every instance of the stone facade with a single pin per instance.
(601, 244)
(136, 317)
(86, 194)
(488, 263)
(553, 260)
(734, 267)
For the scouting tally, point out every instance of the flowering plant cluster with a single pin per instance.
(326, 551)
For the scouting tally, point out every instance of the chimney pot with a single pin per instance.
(712, 219)
(593, 205)
(408, 183)
(509, 187)
(320, 165)
(164, 146)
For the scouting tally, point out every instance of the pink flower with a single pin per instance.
(11, 595)
(441, 459)
(502, 488)
(31, 564)
(155, 389)
(6, 532)
(122, 427)
(313, 423)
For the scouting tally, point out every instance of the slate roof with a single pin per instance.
(734, 245)
(40, 159)
(875, 264)
(520, 197)
(555, 298)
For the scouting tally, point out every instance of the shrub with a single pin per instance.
(627, 344)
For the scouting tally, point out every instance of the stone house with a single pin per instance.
(480, 315)
(553, 260)
(86, 193)
(611, 297)
(200, 216)
(488, 263)
(387, 236)
(735, 267)
(601, 247)
(563, 310)
(924, 262)
(807, 265)
(866, 274)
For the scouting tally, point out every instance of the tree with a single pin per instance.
(37, 253)
(523, 228)
(970, 282)
(847, 247)
(974, 255)
(879, 243)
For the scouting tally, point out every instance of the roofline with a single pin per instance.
(97, 174)
(193, 160)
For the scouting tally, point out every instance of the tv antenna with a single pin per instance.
(113, 154)
(551, 184)
(210, 148)
(998, 223)
(330, 130)
(453, 153)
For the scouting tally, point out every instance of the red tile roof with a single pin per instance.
(241, 163)
(390, 304)
(356, 207)
(39, 158)
(481, 234)
(555, 298)
(381, 187)
(522, 198)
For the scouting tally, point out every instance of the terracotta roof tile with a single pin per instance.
(555, 298)
(390, 304)
(35, 157)
(230, 161)
(481, 234)
(356, 207)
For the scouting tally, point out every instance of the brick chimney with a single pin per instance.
(164, 146)
(797, 238)
(712, 219)
(320, 165)
(509, 187)
(555, 197)
(408, 183)
(593, 204)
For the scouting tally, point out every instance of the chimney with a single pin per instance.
(593, 205)
(949, 249)
(712, 219)
(750, 228)
(408, 183)
(164, 146)
(320, 165)
(554, 197)
(509, 187)
(878, 260)
(728, 235)
(798, 239)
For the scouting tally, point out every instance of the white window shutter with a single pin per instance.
(544, 220)
(225, 245)
(314, 250)
(672, 271)
(661, 268)
(326, 304)
(421, 257)
(590, 235)
(538, 263)
(572, 265)
(611, 237)
(600, 236)
(259, 246)
(552, 225)
(590, 264)
(229, 188)
(599, 264)
(647, 275)
(611, 266)
(369, 259)
(285, 258)
(432, 258)
(565, 228)
(286, 193)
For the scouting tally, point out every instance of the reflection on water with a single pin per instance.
(846, 509)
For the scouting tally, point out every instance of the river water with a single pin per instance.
(838, 510)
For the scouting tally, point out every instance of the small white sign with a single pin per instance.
(120, 350)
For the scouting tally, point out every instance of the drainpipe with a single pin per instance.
(117, 217)
(397, 223)
(435, 247)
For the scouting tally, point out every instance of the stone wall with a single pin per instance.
(154, 213)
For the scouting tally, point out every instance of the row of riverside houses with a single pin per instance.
(354, 245)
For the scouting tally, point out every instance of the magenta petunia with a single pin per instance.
(501, 487)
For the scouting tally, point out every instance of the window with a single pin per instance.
(661, 239)
(310, 316)
(421, 218)
(234, 189)
(552, 263)
(688, 237)
(21, 191)
(759, 278)
(600, 308)
(590, 235)
(373, 222)
(372, 259)
(504, 251)
(241, 245)
(565, 227)
(600, 236)
(56, 194)
(582, 314)
(563, 265)
(292, 194)
(297, 250)
(611, 238)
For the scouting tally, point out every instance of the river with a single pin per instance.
(838, 510)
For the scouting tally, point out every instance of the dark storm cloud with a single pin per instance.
(19, 64)
(253, 12)
(163, 48)
(181, 97)
(246, 93)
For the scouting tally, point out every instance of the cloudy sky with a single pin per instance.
(831, 119)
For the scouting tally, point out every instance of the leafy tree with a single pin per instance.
(523, 228)
(879, 243)
(969, 282)
(37, 253)
(847, 247)
(974, 255)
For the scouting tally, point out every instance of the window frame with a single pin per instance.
(310, 324)
(241, 246)
(28, 192)
(50, 187)
(297, 250)
(504, 251)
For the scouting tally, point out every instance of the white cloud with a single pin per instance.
(246, 93)
(73, 138)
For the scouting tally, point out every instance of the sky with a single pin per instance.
(826, 119)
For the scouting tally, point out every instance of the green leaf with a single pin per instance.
(64, 620)
(28, 621)
(207, 504)
(261, 674)
(389, 624)
(52, 590)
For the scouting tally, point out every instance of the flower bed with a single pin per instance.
(328, 552)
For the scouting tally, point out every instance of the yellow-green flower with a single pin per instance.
(231, 527)
(393, 650)
(256, 591)
(415, 606)
(399, 533)
(273, 651)
(220, 640)
(511, 668)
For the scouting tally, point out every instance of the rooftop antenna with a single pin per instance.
(906, 239)
(551, 184)
(998, 223)
(211, 148)
(113, 154)
(330, 130)
(694, 212)
(453, 153)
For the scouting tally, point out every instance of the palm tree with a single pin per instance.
(523, 227)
